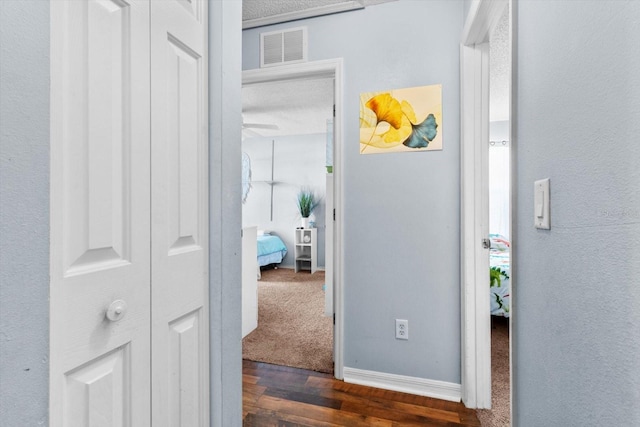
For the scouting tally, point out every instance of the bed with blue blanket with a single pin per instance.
(500, 285)
(271, 249)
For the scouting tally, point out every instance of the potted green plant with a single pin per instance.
(306, 203)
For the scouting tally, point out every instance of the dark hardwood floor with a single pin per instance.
(287, 397)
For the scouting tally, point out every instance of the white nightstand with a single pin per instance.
(306, 250)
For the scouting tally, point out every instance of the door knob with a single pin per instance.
(116, 310)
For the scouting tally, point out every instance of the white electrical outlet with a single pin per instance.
(402, 329)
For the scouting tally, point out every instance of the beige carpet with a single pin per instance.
(498, 416)
(292, 329)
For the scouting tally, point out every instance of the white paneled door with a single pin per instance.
(179, 177)
(128, 215)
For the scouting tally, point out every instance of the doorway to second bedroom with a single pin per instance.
(287, 215)
(499, 162)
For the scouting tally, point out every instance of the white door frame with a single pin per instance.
(331, 68)
(475, 310)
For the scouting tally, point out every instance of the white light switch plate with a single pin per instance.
(541, 204)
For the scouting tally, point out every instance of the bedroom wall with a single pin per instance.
(24, 213)
(401, 211)
(299, 161)
(577, 296)
(499, 197)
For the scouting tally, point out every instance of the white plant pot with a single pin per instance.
(305, 222)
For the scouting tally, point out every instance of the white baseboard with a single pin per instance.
(420, 386)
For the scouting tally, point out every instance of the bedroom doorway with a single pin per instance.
(486, 230)
(291, 140)
(499, 165)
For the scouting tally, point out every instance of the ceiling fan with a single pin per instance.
(248, 128)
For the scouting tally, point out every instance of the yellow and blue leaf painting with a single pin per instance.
(401, 120)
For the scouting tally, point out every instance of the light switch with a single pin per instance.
(541, 204)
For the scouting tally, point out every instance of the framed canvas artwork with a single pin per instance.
(401, 120)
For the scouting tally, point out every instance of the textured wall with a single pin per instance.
(299, 161)
(24, 213)
(577, 296)
(401, 211)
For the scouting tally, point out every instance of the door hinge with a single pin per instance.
(334, 110)
(334, 318)
(334, 214)
(486, 243)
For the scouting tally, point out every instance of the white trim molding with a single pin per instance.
(474, 215)
(326, 68)
(482, 19)
(405, 384)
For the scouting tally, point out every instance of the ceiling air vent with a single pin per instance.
(283, 47)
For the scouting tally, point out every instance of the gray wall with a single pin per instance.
(577, 295)
(24, 213)
(499, 178)
(401, 210)
(299, 161)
